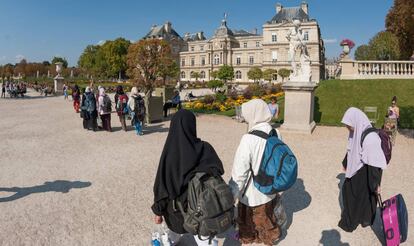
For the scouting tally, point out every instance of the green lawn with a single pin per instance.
(334, 97)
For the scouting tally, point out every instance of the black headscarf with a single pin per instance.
(184, 155)
(119, 90)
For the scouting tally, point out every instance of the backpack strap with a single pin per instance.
(366, 132)
(264, 135)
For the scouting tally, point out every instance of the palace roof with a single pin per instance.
(289, 14)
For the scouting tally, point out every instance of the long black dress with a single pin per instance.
(359, 198)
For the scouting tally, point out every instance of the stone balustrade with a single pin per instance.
(351, 69)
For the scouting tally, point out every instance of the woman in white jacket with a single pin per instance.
(256, 219)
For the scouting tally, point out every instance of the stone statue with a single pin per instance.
(301, 73)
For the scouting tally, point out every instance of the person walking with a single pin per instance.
(121, 102)
(363, 167)
(105, 109)
(183, 156)
(394, 110)
(137, 110)
(88, 107)
(76, 98)
(3, 90)
(65, 91)
(256, 219)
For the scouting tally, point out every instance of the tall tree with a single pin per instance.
(114, 54)
(225, 73)
(255, 74)
(384, 46)
(168, 70)
(362, 53)
(284, 73)
(400, 21)
(145, 59)
(60, 59)
(195, 75)
(88, 61)
(214, 74)
(268, 74)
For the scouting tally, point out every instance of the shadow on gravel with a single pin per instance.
(294, 200)
(149, 129)
(331, 237)
(63, 186)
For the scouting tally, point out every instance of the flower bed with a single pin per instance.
(227, 104)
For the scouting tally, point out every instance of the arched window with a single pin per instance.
(202, 75)
(191, 74)
(183, 75)
(238, 75)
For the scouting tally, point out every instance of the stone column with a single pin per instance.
(299, 107)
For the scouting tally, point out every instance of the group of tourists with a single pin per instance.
(185, 156)
(96, 109)
(14, 89)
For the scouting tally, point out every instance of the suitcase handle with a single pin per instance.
(380, 200)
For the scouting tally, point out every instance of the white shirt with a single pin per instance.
(250, 150)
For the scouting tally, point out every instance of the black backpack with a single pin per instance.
(107, 104)
(210, 206)
(139, 108)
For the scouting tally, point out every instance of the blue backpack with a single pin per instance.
(278, 168)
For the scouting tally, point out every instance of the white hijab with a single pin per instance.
(371, 154)
(255, 112)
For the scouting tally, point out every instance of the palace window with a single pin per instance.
(203, 61)
(238, 75)
(183, 62)
(192, 62)
(245, 45)
(274, 76)
(274, 37)
(238, 60)
(192, 48)
(251, 60)
(183, 75)
(306, 36)
(257, 44)
(274, 56)
(216, 59)
(202, 75)
(202, 47)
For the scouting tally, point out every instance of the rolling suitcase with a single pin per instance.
(395, 219)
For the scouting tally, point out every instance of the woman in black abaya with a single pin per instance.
(184, 155)
(363, 174)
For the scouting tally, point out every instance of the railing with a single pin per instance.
(377, 69)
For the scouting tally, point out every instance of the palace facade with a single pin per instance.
(244, 50)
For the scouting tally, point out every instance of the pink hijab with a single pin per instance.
(371, 153)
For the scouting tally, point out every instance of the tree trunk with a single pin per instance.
(147, 97)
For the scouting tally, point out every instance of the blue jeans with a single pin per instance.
(138, 126)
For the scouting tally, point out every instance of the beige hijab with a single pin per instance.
(255, 112)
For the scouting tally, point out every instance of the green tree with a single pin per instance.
(88, 61)
(60, 59)
(400, 22)
(214, 84)
(225, 73)
(214, 74)
(362, 53)
(268, 74)
(145, 59)
(284, 73)
(114, 54)
(384, 46)
(255, 74)
(195, 75)
(168, 69)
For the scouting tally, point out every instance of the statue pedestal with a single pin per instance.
(299, 106)
(58, 85)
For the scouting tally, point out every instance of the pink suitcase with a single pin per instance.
(395, 220)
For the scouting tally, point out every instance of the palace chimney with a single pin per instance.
(167, 26)
(304, 7)
(279, 7)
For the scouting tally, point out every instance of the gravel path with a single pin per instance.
(62, 185)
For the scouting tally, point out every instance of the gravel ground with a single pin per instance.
(62, 185)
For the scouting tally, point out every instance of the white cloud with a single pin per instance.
(330, 41)
(20, 57)
(101, 42)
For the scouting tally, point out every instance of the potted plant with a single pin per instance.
(347, 45)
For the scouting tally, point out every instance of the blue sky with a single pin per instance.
(39, 30)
